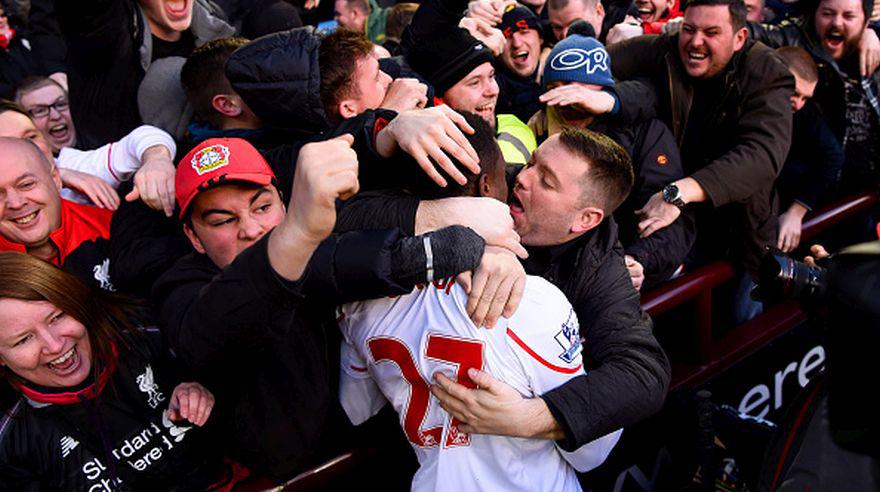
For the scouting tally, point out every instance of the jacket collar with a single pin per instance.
(40, 396)
(79, 223)
(583, 253)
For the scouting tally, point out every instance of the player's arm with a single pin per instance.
(359, 394)
(548, 345)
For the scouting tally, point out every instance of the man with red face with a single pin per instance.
(112, 46)
(34, 219)
(518, 73)
(838, 37)
(726, 100)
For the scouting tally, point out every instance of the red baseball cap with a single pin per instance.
(217, 161)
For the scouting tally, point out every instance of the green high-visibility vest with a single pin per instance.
(515, 138)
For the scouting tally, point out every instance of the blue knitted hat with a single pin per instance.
(579, 59)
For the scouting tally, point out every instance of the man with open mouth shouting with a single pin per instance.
(847, 52)
(518, 73)
(725, 98)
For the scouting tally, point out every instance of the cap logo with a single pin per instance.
(210, 159)
(509, 8)
(575, 58)
(521, 24)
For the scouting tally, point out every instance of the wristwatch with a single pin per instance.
(672, 195)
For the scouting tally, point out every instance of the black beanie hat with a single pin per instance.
(517, 17)
(448, 57)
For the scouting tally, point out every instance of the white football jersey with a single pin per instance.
(393, 347)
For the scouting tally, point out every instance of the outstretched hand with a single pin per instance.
(656, 214)
(154, 181)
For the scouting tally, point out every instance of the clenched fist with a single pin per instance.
(325, 171)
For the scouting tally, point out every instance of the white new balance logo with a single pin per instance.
(68, 444)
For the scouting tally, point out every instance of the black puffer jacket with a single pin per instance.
(279, 79)
(628, 371)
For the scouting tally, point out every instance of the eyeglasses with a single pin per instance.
(42, 110)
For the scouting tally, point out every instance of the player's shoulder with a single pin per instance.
(546, 328)
(541, 298)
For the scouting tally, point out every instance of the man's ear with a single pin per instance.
(600, 12)
(362, 19)
(228, 105)
(483, 186)
(587, 218)
(739, 39)
(347, 108)
(55, 174)
(191, 235)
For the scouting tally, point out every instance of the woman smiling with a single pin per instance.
(96, 405)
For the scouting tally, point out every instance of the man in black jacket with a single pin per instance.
(656, 160)
(516, 76)
(561, 205)
(812, 167)
(847, 91)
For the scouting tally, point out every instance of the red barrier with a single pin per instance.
(714, 355)
(833, 214)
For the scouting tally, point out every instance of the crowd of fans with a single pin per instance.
(227, 237)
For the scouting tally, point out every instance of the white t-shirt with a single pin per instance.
(115, 162)
(393, 346)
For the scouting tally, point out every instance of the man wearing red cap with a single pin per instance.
(233, 311)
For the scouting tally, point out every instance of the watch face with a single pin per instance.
(671, 195)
